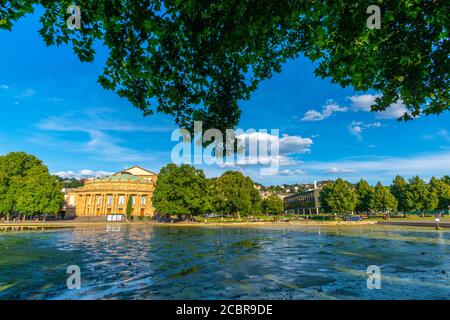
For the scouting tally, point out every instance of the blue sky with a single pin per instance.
(53, 107)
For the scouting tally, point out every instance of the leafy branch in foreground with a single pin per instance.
(196, 59)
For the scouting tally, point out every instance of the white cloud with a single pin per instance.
(286, 172)
(336, 170)
(313, 115)
(289, 172)
(258, 160)
(294, 144)
(395, 111)
(85, 173)
(4, 87)
(327, 111)
(28, 92)
(54, 100)
(356, 127)
(101, 119)
(373, 125)
(358, 103)
(98, 125)
(424, 164)
(288, 148)
(365, 101)
(287, 144)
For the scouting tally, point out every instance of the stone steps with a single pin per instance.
(90, 219)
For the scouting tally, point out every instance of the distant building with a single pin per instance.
(265, 194)
(103, 196)
(306, 202)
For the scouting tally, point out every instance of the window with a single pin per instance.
(99, 200)
(133, 200)
(121, 200)
(143, 199)
(72, 200)
(109, 201)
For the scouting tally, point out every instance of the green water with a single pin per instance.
(147, 262)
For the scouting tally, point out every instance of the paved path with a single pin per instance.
(416, 223)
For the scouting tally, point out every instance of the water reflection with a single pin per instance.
(142, 262)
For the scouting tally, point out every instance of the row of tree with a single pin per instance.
(185, 190)
(26, 186)
(405, 196)
(70, 182)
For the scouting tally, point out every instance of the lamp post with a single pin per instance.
(437, 219)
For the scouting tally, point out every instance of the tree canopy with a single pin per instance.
(26, 187)
(338, 197)
(196, 59)
(181, 190)
(272, 204)
(238, 193)
(364, 193)
(398, 190)
(442, 190)
(420, 196)
(184, 190)
(383, 200)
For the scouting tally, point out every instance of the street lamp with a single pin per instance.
(437, 219)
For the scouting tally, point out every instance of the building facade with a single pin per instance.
(109, 195)
(302, 203)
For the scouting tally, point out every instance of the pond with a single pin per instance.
(166, 262)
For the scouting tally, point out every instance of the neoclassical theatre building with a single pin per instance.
(103, 196)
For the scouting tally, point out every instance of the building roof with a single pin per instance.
(301, 193)
(121, 177)
(138, 171)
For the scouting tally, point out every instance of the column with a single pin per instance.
(99, 210)
(114, 203)
(91, 207)
(137, 205)
(81, 206)
(104, 204)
